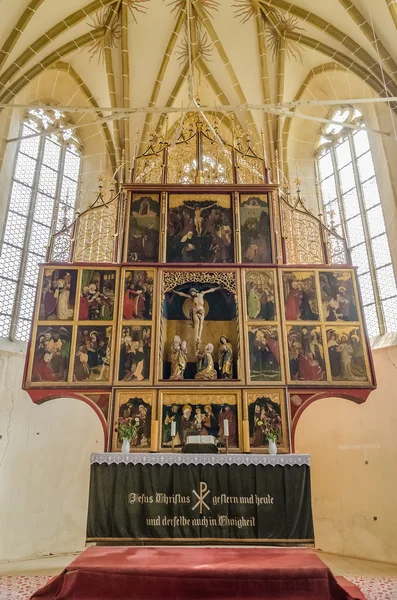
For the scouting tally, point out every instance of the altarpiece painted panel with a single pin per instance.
(143, 228)
(139, 408)
(98, 293)
(50, 359)
(267, 413)
(199, 336)
(200, 228)
(255, 230)
(58, 294)
(201, 413)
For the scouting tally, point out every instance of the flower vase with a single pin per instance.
(126, 446)
(272, 447)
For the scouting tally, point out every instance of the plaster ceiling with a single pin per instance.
(239, 51)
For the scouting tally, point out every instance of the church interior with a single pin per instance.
(198, 299)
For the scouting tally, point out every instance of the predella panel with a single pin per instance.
(136, 408)
(267, 418)
(199, 414)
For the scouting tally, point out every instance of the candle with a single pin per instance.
(154, 436)
(173, 429)
(246, 436)
(225, 427)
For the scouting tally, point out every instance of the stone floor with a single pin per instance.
(377, 581)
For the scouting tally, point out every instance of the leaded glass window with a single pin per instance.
(42, 198)
(353, 206)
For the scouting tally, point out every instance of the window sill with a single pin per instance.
(383, 341)
(7, 345)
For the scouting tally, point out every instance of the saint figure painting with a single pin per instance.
(51, 354)
(264, 353)
(135, 349)
(144, 227)
(300, 296)
(306, 353)
(138, 295)
(199, 418)
(256, 246)
(261, 303)
(92, 359)
(337, 296)
(97, 295)
(58, 294)
(346, 354)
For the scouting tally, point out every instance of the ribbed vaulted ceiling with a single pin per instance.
(129, 53)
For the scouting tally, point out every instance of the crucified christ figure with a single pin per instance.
(198, 219)
(196, 312)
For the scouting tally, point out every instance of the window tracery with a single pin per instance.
(43, 195)
(352, 205)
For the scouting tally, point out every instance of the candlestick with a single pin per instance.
(225, 427)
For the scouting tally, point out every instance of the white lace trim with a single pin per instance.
(158, 458)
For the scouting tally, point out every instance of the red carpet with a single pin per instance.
(118, 573)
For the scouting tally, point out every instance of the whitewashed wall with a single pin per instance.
(44, 468)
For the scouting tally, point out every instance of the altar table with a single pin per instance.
(146, 498)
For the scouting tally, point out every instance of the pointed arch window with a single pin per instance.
(352, 204)
(43, 195)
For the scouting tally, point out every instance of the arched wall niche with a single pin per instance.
(301, 400)
(353, 452)
(44, 475)
(98, 401)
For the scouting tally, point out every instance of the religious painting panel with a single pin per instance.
(264, 354)
(255, 231)
(347, 355)
(138, 290)
(50, 357)
(134, 355)
(98, 293)
(306, 356)
(199, 327)
(200, 414)
(299, 294)
(58, 294)
(93, 355)
(134, 414)
(200, 228)
(338, 296)
(261, 301)
(266, 410)
(143, 228)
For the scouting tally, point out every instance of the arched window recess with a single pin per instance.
(352, 204)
